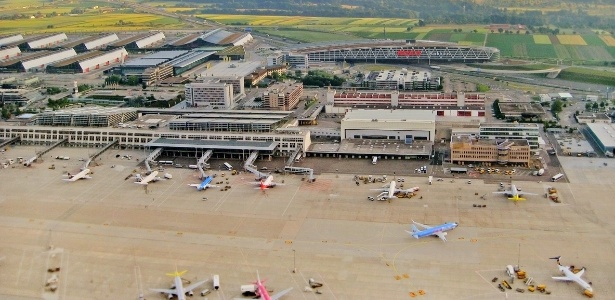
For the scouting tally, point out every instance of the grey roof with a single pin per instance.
(166, 54)
(391, 115)
(213, 144)
(187, 59)
(218, 120)
(604, 132)
(141, 62)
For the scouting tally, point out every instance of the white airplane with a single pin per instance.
(571, 276)
(178, 288)
(388, 191)
(267, 183)
(81, 175)
(514, 193)
(147, 179)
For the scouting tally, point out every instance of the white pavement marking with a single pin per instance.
(322, 280)
(296, 283)
(64, 270)
(23, 254)
(291, 199)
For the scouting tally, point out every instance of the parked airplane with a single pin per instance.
(147, 179)
(439, 230)
(267, 183)
(178, 288)
(81, 175)
(205, 184)
(388, 191)
(571, 276)
(514, 193)
(262, 291)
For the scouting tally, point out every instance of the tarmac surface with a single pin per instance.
(113, 239)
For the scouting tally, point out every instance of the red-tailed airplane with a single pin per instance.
(262, 291)
(267, 183)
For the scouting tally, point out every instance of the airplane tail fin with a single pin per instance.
(177, 274)
(556, 258)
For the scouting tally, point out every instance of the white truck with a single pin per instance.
(430, 179)
(374, 160)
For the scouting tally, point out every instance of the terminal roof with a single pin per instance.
(213, 144)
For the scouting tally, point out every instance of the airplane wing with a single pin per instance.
(194, 285)
(422, 225)
(525, 193)
(195, 185)
(280, 294)
(504, 192)
(441, 235)
(580, 273)
(212, 185)
(562, 278)
(166, 291)
(70, 179)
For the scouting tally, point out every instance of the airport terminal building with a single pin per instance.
(384, 124)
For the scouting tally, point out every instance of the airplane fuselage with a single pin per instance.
(205, 182)
(181, 295)
(566, 271)
(391, 193)
(149, 177)
(431, 231)
(262, 291)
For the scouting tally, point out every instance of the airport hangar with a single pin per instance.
(603, 135)
(393, 51)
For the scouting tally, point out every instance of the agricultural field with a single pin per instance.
(251, 20)
(89, 23)
(609, 40)
(573, 39)
(309, 36)
(541, 39)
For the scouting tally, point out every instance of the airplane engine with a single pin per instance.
(170, 296)
(189, 293)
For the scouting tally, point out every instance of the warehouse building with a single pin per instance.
(511, 131)
(210, 93)
(283, 95)
(397, 99)
(604, 136)
(19, 97)
(89, 61)
(385, 124)
(467, 149)
(402, 80)
(92, 43)
(35, 62)
(36, 43)
(89, 116)
(10, 52)
(151, 68)
(218, 37)
(9, 39)
(140, 42)
(190, 60)
(230, 120)
(587, 118)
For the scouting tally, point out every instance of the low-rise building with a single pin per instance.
(282, 96)
(586, 118)
(212, 93)
(604, 136)
(386, 124)
(466, 149)
(511, 131)
(402, 80)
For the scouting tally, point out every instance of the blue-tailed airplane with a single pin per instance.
(205, 184)
(439, 230)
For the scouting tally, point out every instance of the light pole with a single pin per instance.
(294, 261)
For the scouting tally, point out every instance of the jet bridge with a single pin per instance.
(250, 167)
(8, 142)
(291, 159)
(297, 170)
(97, 154)
(202, 163)
(152, 157)
(29, 162)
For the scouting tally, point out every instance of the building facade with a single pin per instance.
(383, 124)
(282, 96)
(214, 94)
(469, 149)
(387, 99)
(511, 131)
(286, 142)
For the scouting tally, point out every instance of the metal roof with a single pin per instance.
(165, 54)
(189, 58)
(391, 115)
(604, 132)
(233, 68)
(142, 62)
(213, 144)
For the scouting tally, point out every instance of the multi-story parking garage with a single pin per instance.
(400, 51)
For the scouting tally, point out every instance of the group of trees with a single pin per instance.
(118, 80)
(321, 79)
